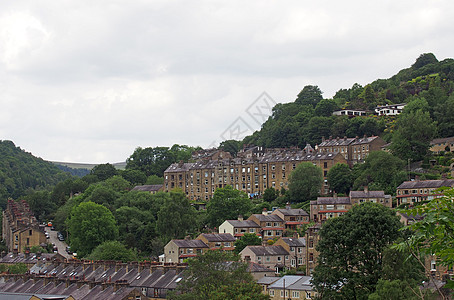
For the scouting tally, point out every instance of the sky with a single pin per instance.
(90, 81)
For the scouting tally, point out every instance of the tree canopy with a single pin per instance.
(217, 275)
(227, 204)
(90, 225)
(112, 250)
(351, 251)
(340, 178)
(305, 182)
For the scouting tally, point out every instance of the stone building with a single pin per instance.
(21, 230)
(354, 150)
(252, 171)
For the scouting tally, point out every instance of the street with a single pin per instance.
(61, 245)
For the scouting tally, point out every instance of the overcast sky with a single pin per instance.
(90, 81)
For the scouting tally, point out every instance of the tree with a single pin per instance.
(227, 203)
(248, 239)
(217, 275)
(351, 251)
(305, 182)
(435, 234)
(176, 218)
(231, 146)
(112, 250)
(340, 178)
(104, 171)
(380, 171)
(325, 107)
(424, 59)
(270, 194)
(411, 140)
(90, 225)
(310, 94)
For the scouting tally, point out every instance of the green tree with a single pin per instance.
(90, 225)
(435, 234)
(227, 204)
(380, 171)
(154, 179)
(135, 177)
(411, 140)
(309, 95)
(248, 239)
(104, 171)
(270, 194)
(325, 107)
(112, 250)
(231, 146)
(217, 275)
(424, 59)
(176, 218)
(305, 182)
(340, 178)
(351, 251)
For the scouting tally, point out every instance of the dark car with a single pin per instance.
(60, 236)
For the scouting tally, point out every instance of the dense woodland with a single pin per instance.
(144, 223)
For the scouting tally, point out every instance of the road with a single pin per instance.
(61, 245)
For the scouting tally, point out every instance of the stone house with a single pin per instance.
(293, 217)
(358, 197)
(296, 247)
(218, 241)
(272, 226)
(239, 227)
(292, 287)
(176, 251)
(410, 192)
(274, 257)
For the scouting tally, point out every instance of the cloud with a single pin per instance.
(91, 81)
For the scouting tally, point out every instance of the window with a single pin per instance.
(330, 206)
(271, 292)
(268, 259)
(227, 244)
(300, 261)
(295, 294)
(279, 258)
(283, 167)
(30, 232)
(251, 230)
(273, 167)
(325, 165)
(293, 262)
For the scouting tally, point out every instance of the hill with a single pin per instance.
(20, 171)
(428, 85)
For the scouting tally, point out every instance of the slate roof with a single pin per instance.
(368, 194)
(347, 141)
(292, 242)
(293, 282)
(331, 200)
(426, 184)
(243, 224)
(268, 250)
(292, 212)
(148, 188)
(268, 218)
(190, 243)
(218, 237)
(256, 268)
(442, 140)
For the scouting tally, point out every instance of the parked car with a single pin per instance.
(68, 250)
(60, 236)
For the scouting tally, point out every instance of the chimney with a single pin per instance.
(366, 189)
(323, 139)
(240, 218)
(296, 235)
(265, 211)
(345, 137)
(188, 237)
(287, 205)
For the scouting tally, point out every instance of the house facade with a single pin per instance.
(442, 145)
(21, 229)
(272, 226)
(292, 287)
(176, 251)
(358, 197)
(293, 217)
(274, 257)
(329, 207)
(410, 192)
(354, 150)
(390, 110)
(296, 247)
(218, 241)
(239, 227)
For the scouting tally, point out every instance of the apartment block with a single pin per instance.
(354, 150)
(252, 171)
(410, 192)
